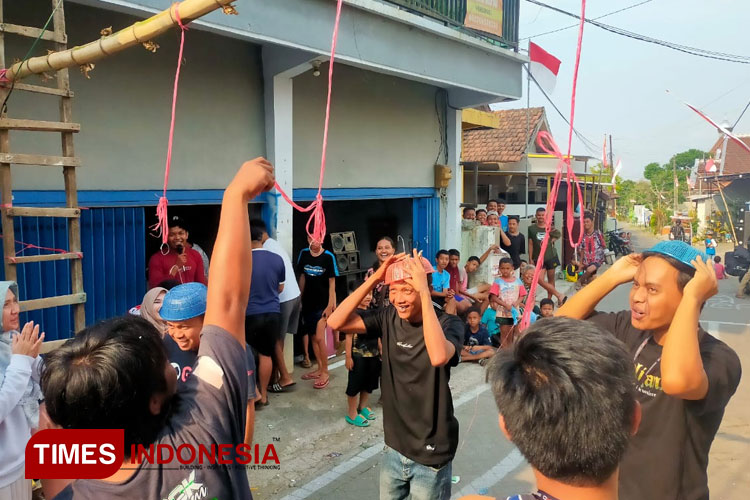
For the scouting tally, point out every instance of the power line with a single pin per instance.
(599, 17)
(696, 51)
(741, 115)
(585, 141)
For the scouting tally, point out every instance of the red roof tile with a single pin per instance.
(737, 159)
(501, 145)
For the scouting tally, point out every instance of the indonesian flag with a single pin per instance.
(544, 67)
(710, 166)
(616, 171)
(604, 153)
(720, 128)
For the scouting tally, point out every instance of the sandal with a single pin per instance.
(311, 376)
(306, 364)
(259, 405)
(278, 388)
(367, 413)
(360, 421)
(319, 384)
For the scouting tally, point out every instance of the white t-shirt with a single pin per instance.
(291, 288)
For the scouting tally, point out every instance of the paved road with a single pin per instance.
(323, 458)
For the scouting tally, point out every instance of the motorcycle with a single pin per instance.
(619, 242)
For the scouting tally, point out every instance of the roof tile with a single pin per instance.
(505, 144)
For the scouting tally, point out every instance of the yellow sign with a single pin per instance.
(485, 15)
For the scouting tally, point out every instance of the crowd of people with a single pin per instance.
(599, 404)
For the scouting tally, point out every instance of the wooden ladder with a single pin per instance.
(68, 161)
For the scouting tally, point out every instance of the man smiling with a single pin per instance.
(684, 376)
(419, 347)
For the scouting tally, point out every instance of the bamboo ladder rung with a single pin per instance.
(30, 32)
(38, 126)
(39, 89)
(60, 300)
(42, 160)
(26, 259)
(70, 213)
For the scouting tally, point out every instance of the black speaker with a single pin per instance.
(347, 262)
(343, 242)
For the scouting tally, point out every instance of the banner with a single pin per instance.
(485, 15)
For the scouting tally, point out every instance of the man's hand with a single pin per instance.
(624, 268)
(254, 177)
(495, 248)
(182, 258)
(28, 342)
(383, 268)
(349, 363)
(704, 284)
(418, 280)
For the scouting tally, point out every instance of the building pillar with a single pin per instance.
(451, 236)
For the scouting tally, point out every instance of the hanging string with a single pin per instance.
(548, 145)
(318, 219)
(31, 246)
(161, 227)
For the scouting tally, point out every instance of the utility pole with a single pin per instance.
(528, 131)
(612, 166)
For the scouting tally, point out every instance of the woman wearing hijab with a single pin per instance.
(151, 306)
(19, 393)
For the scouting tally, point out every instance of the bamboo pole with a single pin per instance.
(726, 208)
(136, 34)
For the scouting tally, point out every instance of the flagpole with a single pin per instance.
(528, 125)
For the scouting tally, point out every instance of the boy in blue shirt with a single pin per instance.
(442, 294)
(477, 346)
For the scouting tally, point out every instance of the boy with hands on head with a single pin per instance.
(418, 348)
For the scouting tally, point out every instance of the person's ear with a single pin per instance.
(155, 403)
(637, 414)
(503, 428)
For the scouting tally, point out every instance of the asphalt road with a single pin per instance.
(323, 458)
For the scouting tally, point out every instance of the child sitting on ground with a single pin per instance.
(477, 345)
(719, 268)
(547, 308)
(363, 363)
(506, 294)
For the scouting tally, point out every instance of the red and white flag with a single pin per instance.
(543, 67)
(721, 129)
(710, 166)
(616, 171)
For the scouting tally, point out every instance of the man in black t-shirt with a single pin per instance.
(516, 243)
(684, 376)
(317, 271)
(419, 347)
(116, 375)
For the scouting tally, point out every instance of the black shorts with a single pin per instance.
(504, 321)
(551, 263)
(364, 376)
(597, 265)
(309, 322)
(262, 331)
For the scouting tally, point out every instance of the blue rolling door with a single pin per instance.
(114, 263)
(426, 225)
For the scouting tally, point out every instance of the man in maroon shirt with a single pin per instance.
(180, 263)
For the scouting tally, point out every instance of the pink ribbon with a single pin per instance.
(547, 144)
(162, 226)
(317, 218)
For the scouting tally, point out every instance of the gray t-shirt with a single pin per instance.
(211, 411)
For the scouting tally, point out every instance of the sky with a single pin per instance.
(623, 83)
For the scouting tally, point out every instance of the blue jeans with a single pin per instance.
(401, 477)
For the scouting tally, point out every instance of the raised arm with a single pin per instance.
(439, 349)
(231, 263)
(486, 254)
(504, 238)
(583, 303)
(682, 373)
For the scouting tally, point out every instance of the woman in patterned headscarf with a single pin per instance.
(19, 393)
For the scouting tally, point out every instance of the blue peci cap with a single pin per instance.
(184, 302)
(678, 250)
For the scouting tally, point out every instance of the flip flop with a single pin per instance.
(320, 384)
(367, 413)
(306, 364)
(360, 421)
(310, 376)
(278, 388)
(259, 405)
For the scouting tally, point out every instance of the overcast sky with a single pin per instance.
(622, 82)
